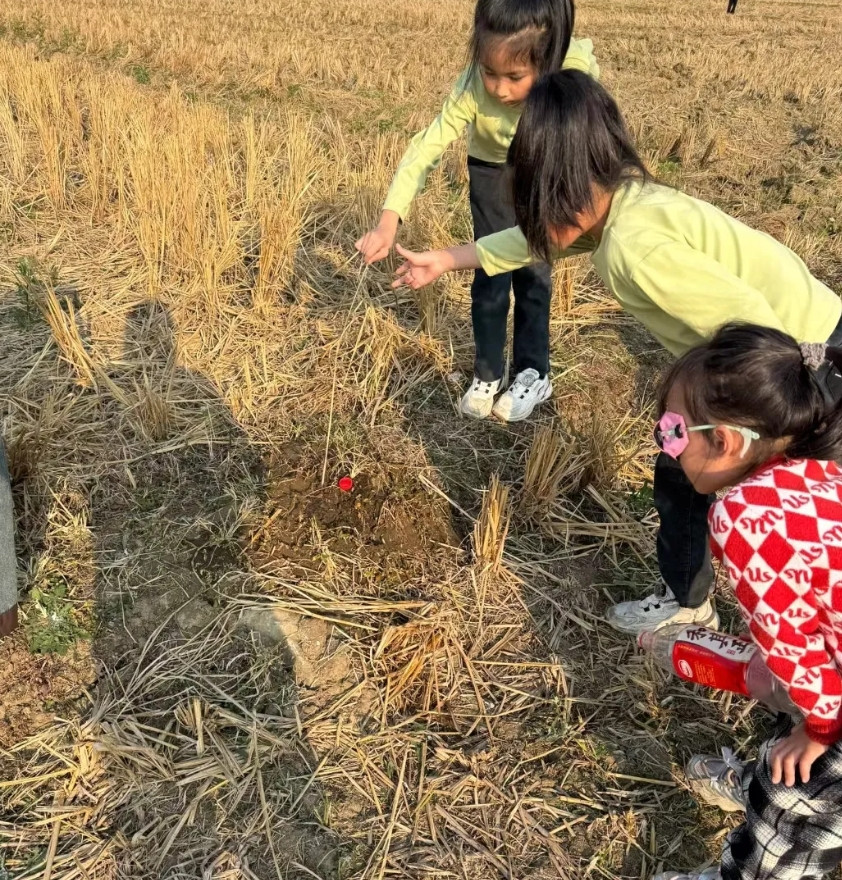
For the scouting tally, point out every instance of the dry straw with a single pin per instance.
(467, 715)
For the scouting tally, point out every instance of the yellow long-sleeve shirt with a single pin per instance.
(491, 127)
(684, 268)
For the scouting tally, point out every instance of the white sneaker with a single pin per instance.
(711, 873)
(522, 396)
(479, 398)
(656, 611)
(718, 781)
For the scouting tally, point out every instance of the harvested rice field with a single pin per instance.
(228, 667)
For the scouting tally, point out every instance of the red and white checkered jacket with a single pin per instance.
(779, 536)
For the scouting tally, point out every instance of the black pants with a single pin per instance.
(732, 6)
(492, 211)
(683, 542)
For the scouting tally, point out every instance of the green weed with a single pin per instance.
(642, 500)
(53, 627)
(669, 167)
(28, 286)
(140, 74)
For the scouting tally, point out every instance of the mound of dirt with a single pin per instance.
(385, 518)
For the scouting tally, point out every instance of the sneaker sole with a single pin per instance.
(632, 630)
(703, 793)
(526, 415)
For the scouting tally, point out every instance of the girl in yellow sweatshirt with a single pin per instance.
(680, 265)
(513, 43)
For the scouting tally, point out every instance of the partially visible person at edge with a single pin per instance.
(680, 265)
(8, 567)
(732, 6)
(512, 44)
(752, 410)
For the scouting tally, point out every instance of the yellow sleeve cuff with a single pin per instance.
(503, 251)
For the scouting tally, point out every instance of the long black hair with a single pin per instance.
(756, 377)
(571, 137)
(537, 31)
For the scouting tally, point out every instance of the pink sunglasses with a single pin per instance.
(672, 435)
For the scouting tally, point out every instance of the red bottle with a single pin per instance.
(718, 660)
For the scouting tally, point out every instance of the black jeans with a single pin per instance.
(683, 543)
(492, 211)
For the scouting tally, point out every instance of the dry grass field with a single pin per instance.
(229, 669)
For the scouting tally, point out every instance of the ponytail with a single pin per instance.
(823, 441)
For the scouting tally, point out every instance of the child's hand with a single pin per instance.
(419, 269)
(796, 750)
(377, 243)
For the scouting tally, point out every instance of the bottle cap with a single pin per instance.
(645, 640)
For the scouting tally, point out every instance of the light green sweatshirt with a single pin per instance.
(684, 268)
(491, 127)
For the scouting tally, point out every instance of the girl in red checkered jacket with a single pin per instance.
(755, 411)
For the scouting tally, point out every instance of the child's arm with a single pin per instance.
(498, 253)
(784, 624)
(422, 156)
(506, 251)
(420, 269)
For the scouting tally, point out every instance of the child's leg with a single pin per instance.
(533, 287)
(789, 833)
(683, 542)
(489, 295)
(683, 559)
(489, 311)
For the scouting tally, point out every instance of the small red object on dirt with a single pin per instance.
(346, 484)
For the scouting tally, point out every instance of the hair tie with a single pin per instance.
(814, 354)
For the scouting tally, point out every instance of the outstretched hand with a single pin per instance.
(419, 268)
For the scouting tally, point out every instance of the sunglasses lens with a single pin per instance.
(659, 438)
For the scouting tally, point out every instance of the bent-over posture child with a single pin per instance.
(680, 265)
(752, 409)
(513, 43)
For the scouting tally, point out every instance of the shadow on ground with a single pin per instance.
(136, 522)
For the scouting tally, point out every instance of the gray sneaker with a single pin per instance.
(522, 396)
(656, 611)
(718, 780)
(711, 873)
